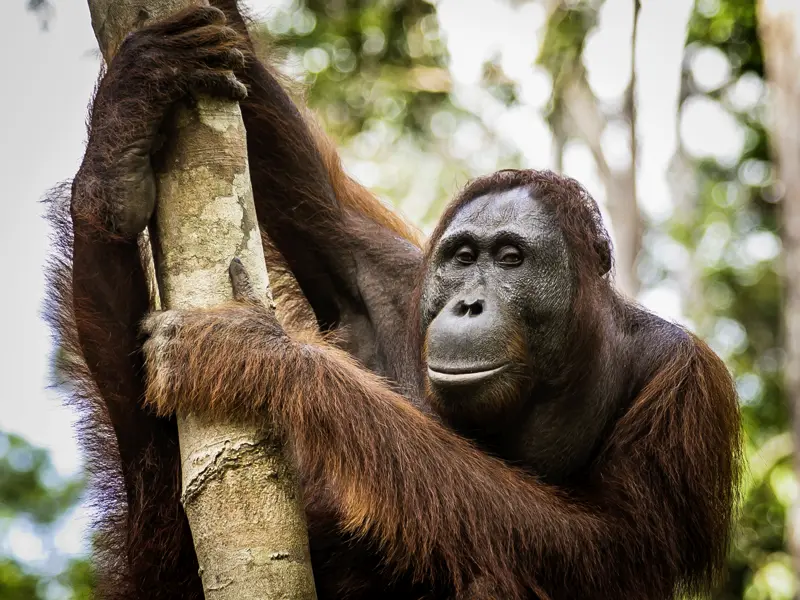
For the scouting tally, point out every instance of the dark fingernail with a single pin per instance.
(237, 260)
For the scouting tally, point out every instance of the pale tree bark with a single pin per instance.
(559, 142)
(585, 120)
(779, 23)
(239, 492)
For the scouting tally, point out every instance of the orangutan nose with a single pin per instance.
(469, 308)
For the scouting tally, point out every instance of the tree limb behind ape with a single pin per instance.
(239, 493)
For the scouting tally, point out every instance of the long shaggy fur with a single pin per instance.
(399, 505)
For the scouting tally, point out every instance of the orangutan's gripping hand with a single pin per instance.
(200, 359)
(155, 67)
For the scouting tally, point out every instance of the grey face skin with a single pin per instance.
(496, 304)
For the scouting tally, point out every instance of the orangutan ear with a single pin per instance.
(604, 255)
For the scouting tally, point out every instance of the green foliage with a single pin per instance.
(77, 579)
(735, 227)
(379, 60)
(24, 487)
(376, 74)
(729, 25)
(15, 583)
(75, 582)
(561, 50)
(31, 490)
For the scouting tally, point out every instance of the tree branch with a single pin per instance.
(239, 492)
(586, 120)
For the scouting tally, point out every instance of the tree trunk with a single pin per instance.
(586, 120)
(779, 22)
(239, 492)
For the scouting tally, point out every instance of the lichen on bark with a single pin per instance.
(239, 491)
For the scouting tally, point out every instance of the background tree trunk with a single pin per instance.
(780, 38)
(588, 122)
(579, 115)
(239, 492)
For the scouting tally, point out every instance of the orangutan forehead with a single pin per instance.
(514, 208)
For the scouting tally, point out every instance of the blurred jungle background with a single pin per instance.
(677, 115)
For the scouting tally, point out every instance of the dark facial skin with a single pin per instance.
(496, 305)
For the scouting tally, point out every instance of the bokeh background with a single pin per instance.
(661, 108)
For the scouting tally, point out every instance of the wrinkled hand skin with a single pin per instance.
(178, 340)
(155, 67)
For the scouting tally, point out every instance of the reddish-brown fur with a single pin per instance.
(653, 516)
(649, 518)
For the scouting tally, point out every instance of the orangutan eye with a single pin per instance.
(509, 256)
(465, 255)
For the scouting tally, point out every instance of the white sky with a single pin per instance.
(41, 144)
(49, 78)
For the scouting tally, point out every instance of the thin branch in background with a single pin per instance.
(577, 113)
(628, 210)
